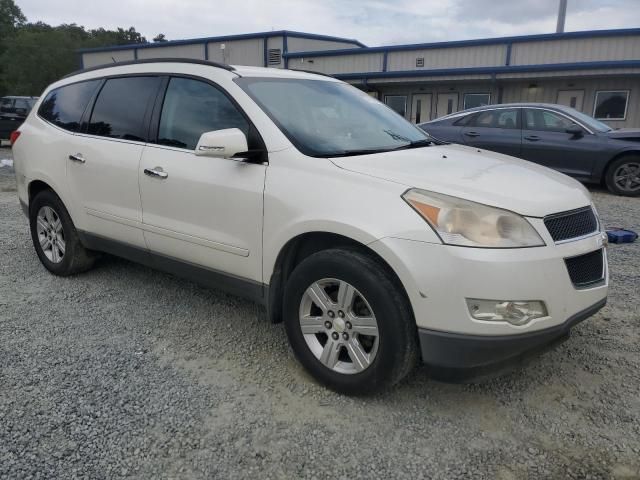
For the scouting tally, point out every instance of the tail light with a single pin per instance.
(14, 136)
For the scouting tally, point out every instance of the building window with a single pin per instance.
(397, 103)
(611, 105)
(472, 100)
(420, 62)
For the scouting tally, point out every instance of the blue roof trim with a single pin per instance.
(490, 70)
(226, 38)
(471, 43)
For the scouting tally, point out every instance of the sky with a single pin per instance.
(373, 22)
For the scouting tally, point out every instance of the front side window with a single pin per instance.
(64, 106)
(472, 100)
(611, 105)
(324, 118)
(192, 107)
(544, 120)
(501, 118)
(120, 108)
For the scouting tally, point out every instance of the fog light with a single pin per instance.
(513, 312)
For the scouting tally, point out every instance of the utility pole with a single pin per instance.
(562, 14)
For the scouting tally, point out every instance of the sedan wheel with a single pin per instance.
(627, 177)
(339, 326)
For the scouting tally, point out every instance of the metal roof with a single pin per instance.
(469, 43)
(225, 38)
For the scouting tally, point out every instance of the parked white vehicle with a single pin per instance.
(376, 246)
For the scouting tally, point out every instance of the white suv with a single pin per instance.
(374, 244)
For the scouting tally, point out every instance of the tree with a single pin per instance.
(38, 54)
(11, 17)
(159, 38)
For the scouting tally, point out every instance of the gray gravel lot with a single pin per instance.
(128, 372)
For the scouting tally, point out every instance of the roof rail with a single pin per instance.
(311, 71)
(153, 60)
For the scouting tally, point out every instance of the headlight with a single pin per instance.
(469, 224)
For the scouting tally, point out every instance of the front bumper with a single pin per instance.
(459, 351)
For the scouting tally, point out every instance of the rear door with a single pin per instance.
(545, 141)
(496, 130)
(102, 167)
(203, 210)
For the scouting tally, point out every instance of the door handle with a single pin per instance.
(472, 134)
(77, 158)
(156, 172)
(532, 138)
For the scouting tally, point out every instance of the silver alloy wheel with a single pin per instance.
(50, 234)
(339, 326)
(627, 177)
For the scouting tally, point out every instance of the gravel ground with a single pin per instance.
(128, 372)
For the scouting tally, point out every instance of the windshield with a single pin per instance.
(591, 122)
(327, 119)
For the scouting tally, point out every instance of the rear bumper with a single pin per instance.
(477, 352)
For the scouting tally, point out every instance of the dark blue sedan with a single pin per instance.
(552, 135)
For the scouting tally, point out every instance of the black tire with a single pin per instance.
(76, 258)
(397, 348)
(615, 167)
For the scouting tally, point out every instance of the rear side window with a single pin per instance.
(502, 118)
(64, 106)
(6, 104)
(119, 111)
(192, 107)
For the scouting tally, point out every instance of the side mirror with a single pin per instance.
(575, 131)
(225, 143)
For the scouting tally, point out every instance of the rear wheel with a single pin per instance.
(348, 323)
(623, 176)
(55, 238)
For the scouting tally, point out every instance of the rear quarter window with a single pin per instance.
(64, 106)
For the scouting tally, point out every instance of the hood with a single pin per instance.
(625, 134)
(477, 175)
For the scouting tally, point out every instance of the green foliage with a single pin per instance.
(33, 55)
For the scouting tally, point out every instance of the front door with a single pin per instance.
(447, 103)
(420, 107)
(571, 98)
(545, 141)
(103, 161)
(205, 211)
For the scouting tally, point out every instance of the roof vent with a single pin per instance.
(275, 56)
(420, 62)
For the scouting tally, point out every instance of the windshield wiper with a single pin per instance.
(364, 151)
(425, 142)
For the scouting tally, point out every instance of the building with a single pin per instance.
(596, 72)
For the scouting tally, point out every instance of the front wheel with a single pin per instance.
(348, 322)
(623, 176)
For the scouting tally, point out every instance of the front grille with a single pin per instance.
(571, 224)
(587, 269)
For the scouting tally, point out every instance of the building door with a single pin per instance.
(571, 98)
(420, 107)
(447, 103)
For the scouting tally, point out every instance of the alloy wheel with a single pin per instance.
(339, 326)
(627, 177)
(50, 234)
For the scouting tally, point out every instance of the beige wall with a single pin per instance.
(102, 58)
(175, 51)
